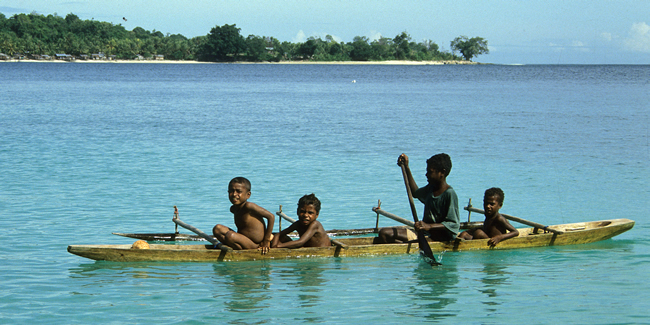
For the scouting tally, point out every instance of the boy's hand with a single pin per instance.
(495, 240)
(422, 226)
(264, 246)
(403, 159)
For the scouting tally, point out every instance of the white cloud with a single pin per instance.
(639, 38)
(300, 37)
(606, 36)
(579, 46)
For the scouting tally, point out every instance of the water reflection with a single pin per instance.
(247, 285)
(308, 276)
(134, 269)
(294, 286)
(494, 276)
(432, 290)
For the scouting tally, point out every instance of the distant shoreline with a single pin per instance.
(389, 62)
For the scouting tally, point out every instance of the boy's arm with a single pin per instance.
(512, 232)
(311, 230)
(276, 239)
(403, 159)
(266, 242)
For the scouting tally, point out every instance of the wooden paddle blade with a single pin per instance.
(425, 249)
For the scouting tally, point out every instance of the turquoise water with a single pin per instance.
(90, 149)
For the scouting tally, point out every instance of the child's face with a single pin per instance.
(434, 176)
(238, 193)
(491, 205)
(307, 214)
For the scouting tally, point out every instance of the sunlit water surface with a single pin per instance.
(90, 149)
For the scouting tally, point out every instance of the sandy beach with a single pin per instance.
(390, 62)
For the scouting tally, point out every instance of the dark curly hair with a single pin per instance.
(440, 162)
(241, 180)
(309, 199)
(494, 191)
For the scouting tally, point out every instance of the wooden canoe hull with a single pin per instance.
(574, 233)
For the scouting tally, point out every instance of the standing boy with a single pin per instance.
(311, 231)
(251, 230)
(441, 217)
(495, 226)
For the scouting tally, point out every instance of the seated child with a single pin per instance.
(495, 226)
(251, 231)
(310, 230)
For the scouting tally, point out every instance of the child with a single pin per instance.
(310, 230)
(441, 217)
(251, 230)
(495, 226)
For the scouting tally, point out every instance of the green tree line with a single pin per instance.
(39, 34)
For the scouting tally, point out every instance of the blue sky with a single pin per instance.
(526, 32)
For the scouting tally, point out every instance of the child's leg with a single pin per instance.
(467, 235)
(238, 241)
(220, 231)
(392, 235)
(480, 234)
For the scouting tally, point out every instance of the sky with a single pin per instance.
(517, 31)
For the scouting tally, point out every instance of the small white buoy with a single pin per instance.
(354, 81)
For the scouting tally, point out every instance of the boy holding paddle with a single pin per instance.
(441, 217)
(496, 227)
(311, 231)
(251, 231)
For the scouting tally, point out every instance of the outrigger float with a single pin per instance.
(535, 236)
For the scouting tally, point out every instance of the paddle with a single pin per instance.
(389, 215)
(195, 230)
(520, 220)
(425, 249)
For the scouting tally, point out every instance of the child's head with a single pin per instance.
(494, 192)
(308, 209)
(492, 201)
(440, 162)
(239, 190)
(309, 199)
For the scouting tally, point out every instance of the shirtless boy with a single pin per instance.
(495, 226)
(311, 231)
(251, 231)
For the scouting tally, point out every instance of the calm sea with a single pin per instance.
(90, 149)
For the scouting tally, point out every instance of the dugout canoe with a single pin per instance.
(572, 234)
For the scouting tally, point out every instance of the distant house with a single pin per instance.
(112, 57)
(84, 57)
(159, 57)
(98, 56)
(46, 57)
(63, 57)
(139, 57)
(19, 56)
(4, 56)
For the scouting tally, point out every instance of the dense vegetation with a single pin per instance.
(52, 34)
